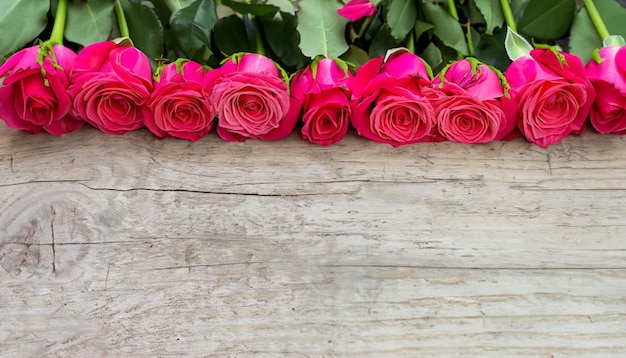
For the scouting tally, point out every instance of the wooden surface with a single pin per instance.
(133, 246)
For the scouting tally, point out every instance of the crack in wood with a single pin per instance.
(54, 269)
(549, 163)
(106, 280)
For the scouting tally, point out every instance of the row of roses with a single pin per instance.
(543, 96)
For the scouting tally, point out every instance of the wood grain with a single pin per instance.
(133, 246)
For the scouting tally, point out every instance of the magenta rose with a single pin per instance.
(33, 96)
(552, 93)
(389, 100)
(179, 105)
(111, 84)
(249, 93)
(607, 73)
(356, 9)
(467, 103)
(320, 95)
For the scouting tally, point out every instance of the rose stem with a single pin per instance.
(596, 19)
(410, 42)
(452, 10)
(121, 19)
(508, 14)
(56, 37)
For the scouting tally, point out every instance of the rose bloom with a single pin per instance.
(389, 103)
(552, 93)
(249, 93)
(320, 95)
(111, 84)
(34, 97)
(467, 103)
(356, 9)
(179, 105)
(608, 77)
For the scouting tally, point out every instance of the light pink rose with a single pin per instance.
(249, 93)
(320, 95)
(467, 99)
(179, 105)
(552, 93)
(34, 97)
(608, 113)
(389, 102)
(111, 84)
(357, 9)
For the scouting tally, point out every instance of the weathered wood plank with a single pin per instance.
(131, 246)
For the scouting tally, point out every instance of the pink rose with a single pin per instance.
(34, 97)
(467, 103)
(179, 105)
(552, 93)
(608, 113)
(389, 102)
(249, 93)
(111, 84)
(320, 94)
(357, 9)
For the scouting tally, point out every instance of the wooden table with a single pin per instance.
(133, 246)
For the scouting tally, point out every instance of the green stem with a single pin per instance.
(121, 19)
(56, 37)
(470, 42)
(508, 14)
(410, 41)
(258, 39)
(452, 10)
(596, 19)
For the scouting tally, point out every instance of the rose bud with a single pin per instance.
(607, 73)
(33, 93)
(355, 10)
(320, 95)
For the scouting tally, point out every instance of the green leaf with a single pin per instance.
(283, 6)
(583, 36)
(89, 21)
(382, 42)
(230, 36)
(516, 46)
(175, 5)
(492, 13)
(253, 7)
(15, 31)
(145, 29)
(433, 56)
(282, 39)
(321, 28)
(518, 6)
(446, 28)
(421, 27)
(401, 16)
(191, 28)
(547, 20)
(355, 56)
(490, 49)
